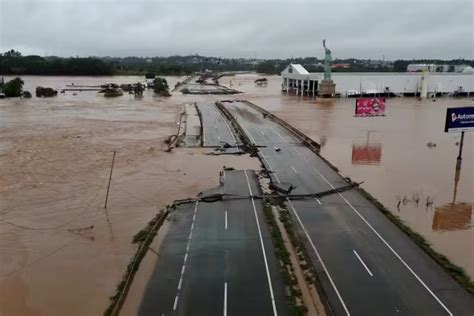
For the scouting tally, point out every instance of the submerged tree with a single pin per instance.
(160, 86)
(13, 88)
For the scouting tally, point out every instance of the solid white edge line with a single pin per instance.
(225, 298)
(269, 166)
(175, 302)
(249, 135)
(263, 247)
(227, 124)
(363, 263)
(319, 257)
(388, 245)
(376, 233)
(294, 170)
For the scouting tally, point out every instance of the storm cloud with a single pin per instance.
(261, 29)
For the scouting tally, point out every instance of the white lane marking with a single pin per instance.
(225, 298)
(276, 132)
(270, 167)
(249, 135)
(319, 257)
(387, 244)
(175, 302)
(294, 170)
(319, 201)
(183, 268)
(263, 247)
(225, 219)
(363, 263)
(261, 132)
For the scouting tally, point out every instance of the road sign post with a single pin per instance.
(459, 120)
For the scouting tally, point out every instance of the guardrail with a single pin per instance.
(314, 146)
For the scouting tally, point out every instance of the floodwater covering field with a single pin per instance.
(61, 253)
(405, 159)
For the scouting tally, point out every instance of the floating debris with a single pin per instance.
(42, 92)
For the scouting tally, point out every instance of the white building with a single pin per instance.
(296, 78)
(421, 67)
(461, 68)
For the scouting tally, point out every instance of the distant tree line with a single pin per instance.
(14, 63)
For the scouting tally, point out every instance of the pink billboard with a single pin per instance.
(370, 107)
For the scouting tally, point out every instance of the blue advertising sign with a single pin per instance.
(459, 119)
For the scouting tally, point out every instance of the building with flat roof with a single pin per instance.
(296, 79)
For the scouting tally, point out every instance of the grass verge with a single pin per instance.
(143, 238)
(455, 271)
(296, 308)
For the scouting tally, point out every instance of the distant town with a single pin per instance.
(14, 63)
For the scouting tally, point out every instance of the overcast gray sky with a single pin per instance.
(262, 29)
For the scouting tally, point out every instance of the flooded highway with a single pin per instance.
(55, 157)
(393, 157)
(345, 232)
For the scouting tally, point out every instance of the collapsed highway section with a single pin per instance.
(365, 263)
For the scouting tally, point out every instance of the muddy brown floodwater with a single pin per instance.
(61, 253)
(393, 157)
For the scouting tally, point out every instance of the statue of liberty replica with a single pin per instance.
(327, 88)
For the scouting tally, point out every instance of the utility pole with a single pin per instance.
(110, 179)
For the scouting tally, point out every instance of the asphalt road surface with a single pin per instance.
(194, 87)
(218, 259)
(216, 130)
(366, 265)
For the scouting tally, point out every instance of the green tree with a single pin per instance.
(13, 88)
(160, 86)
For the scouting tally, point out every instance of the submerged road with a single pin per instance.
(218, 259)
(366, 265)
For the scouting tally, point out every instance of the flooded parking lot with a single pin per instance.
(63, 254)
(405, 159)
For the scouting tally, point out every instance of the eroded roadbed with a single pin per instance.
(218, 258)
(205, 126)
